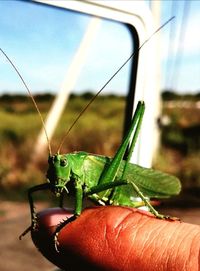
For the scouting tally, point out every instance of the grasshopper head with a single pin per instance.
(58, 173)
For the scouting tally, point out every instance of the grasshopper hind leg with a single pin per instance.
(148, 204)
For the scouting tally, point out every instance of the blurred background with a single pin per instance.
(43, 41)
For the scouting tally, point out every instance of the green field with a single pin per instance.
(98, 131)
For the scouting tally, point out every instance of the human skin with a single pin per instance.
(118, 238)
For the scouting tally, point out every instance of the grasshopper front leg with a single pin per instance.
(77, 212)
(32, 208)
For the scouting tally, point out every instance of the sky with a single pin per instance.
(181, 57)
(42, 41)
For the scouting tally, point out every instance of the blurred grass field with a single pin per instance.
(98, 131)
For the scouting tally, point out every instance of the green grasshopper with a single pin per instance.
(107, 181)
(104, 180)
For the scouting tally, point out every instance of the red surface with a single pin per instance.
(118, 238)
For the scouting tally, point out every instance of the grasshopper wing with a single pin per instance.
(152, 183)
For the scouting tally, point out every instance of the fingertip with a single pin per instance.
(123, 238)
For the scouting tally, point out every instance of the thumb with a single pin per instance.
(119, 238)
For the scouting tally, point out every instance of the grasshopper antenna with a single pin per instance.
(117, 71)
(32, 98)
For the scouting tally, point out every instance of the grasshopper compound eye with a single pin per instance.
(63, 162)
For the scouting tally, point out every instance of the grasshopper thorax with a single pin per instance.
(58, 173)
